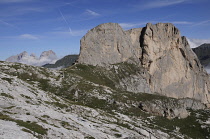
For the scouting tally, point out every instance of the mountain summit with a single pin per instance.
(46, 57)
(171, 66)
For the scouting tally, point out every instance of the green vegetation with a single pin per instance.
(202, 53)
(65, 124)
(57, 104)
(32, 126)
(9, 107)
(118, 135)
(64, 62)
(189, 126)
(89, 137)
(7, 95)
(25, 96)
(45, 116)
(26, 130)
(7, 79)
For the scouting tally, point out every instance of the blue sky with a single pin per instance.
(39, 25)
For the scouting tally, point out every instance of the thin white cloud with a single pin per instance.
(181, 22)
(161, 3)
(90, 12)
(8, 24)
(28, 37)
(67, 33)
(202, 23)
(70, 31)
(19, 10)
(197, 42)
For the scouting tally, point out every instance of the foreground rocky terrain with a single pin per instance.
(72, 103)
(126, 84)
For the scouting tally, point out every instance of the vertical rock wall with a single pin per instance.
(174, 69)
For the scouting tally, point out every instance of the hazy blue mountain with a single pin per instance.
(45, 58)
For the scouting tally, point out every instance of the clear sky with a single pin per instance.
(39, 25)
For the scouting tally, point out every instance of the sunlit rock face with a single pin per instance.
(107, 44)
(174, 70)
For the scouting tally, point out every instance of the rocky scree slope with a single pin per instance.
(170, 66)
(86, 101)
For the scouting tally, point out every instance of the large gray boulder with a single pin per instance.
(174, 70)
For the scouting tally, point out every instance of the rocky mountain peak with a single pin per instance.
(173, 68)
(33, 55)
(106, 44)
(49, 53)
(22, 55)
(45, 58)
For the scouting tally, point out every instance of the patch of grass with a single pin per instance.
(7, 95)
(189, 126)
(117, 135)
(89, 137)
(60, 105)
(94, 74)
(26, 130)
(45, 116)
(32, 126)
(28, 102)
(125, 125)
(9, 107)
(9, 80)
(57, 104)
(114, 129)
(64, 124)
(25, 96)
(43, 121)
(7, 112)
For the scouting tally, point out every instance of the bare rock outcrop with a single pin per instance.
(106, 44)
(174, 69)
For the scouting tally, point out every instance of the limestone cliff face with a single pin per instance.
(174, 69)
(106, 44)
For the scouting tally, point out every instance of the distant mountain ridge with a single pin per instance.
(45, 58)
(203, 54)
(63, 62)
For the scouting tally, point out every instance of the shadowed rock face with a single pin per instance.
(174, 69)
